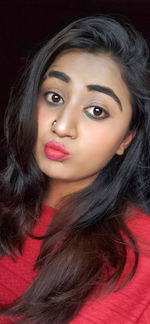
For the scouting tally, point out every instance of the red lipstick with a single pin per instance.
(55, 151)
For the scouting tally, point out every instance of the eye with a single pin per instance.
(96, 112)
(53, 98)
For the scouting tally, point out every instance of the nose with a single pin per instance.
(66, 124)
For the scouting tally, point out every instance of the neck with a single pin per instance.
(59, 189)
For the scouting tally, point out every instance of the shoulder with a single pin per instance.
(139, 224)
(131, 304)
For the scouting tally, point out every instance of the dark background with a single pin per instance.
(26, 25)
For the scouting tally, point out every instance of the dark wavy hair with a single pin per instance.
(90, 224)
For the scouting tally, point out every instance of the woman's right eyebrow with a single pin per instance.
(56, 74)
(59, 75)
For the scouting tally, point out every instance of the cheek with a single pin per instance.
(43, 120)
(41, 114)
(104, 139)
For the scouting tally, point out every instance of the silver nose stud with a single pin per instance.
(54, 122)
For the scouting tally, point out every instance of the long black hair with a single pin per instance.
(90, 223)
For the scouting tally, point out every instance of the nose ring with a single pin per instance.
(54, 122)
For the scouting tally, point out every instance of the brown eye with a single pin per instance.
(53, 98)
(96, 112)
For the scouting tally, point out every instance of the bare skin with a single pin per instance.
(93, 112)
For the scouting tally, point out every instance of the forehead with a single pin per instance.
(91, 67)
(85, 62)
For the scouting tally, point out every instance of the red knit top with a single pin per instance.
(127, 306)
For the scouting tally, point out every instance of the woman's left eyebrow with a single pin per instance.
(105, 90)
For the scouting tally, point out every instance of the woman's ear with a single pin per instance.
(126, 142)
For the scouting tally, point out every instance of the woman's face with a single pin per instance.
(90, 102)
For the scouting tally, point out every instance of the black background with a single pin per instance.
(26, 25)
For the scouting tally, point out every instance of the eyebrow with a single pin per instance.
(91, 87)
(105, 90)
(59, 75)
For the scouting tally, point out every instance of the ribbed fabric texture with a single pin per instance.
(16, 276)
(127, 306)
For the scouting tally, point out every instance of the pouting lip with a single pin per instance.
(56, 146)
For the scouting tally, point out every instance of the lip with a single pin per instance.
(55, 151)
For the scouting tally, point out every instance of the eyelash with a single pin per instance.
(101, 110)
(52, 93)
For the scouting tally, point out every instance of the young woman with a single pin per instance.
(74, 224)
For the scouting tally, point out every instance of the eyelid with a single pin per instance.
(101, 100)
(53, 86)
(52, 89)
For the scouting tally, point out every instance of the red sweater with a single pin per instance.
(127, 306)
